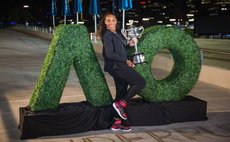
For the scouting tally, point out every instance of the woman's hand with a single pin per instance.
(130, 64)
(133, 41)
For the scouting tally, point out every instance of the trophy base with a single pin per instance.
(138, 58)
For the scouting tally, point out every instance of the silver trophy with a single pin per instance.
(137, 57)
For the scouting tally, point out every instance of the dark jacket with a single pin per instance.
(114, 51)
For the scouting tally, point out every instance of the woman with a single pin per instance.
(119, 67)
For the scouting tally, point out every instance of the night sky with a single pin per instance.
(8, 5)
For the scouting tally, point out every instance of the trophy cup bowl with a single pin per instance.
(137, 57)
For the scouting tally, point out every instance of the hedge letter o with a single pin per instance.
(186, 69)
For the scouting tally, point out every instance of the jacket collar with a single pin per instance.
(118, 36)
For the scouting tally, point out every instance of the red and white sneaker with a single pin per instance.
(120, 110)
(118, 127)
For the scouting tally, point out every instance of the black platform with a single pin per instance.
(70, 118)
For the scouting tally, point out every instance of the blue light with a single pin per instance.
(12, 23)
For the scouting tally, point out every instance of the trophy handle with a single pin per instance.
(124, 33)
(141, 28)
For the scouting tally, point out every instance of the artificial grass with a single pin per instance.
(186, 69)
(70, 46)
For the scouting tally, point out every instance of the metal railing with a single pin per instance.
(37, 28)
(93, 37)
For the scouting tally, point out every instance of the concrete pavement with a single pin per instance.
(21, 58)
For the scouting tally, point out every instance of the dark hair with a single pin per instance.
(102, 27)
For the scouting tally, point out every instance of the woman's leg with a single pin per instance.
(136, 82)
(134, 79)
(120, 85)
(121, 90)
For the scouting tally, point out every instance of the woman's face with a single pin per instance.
(111, 22)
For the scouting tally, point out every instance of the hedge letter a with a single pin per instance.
(70, 46)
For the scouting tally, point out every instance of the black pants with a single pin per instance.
(127, 77)
(123, 78)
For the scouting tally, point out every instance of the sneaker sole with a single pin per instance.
(115, 129)
(126, 130)
(117, 110)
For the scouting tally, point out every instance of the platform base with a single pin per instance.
(70, 118)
